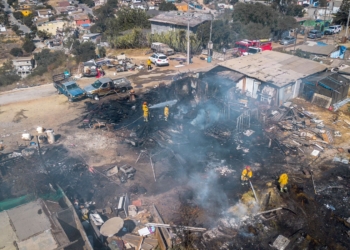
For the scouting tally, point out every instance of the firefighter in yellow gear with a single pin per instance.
(247, 173)
(145, 111)
(149, 63)
(283, 181)
(166, 112)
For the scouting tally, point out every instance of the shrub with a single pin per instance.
(16, 52)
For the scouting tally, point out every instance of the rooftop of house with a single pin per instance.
(50, 22)
(44, 11)
(318, 48)
(181, 18)
(329, 80)
(278, 69)
(63, 4)
(78, 17)
(91, 35)
(31, 227)
(21, 59)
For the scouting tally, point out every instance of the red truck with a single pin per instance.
(246, 47)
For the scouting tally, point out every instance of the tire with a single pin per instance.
(123, 90)
(96, 98)
(156, 64)
(70, 99)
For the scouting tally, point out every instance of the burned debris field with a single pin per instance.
(190, 167)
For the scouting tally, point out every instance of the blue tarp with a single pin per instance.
(321, 44)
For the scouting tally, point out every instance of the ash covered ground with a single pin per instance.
(198, 156)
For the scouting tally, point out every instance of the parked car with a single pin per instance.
(288, 40)
(70, 89)
(332, 30)
(105, 86)
(339, 27)
(313, 34)
(159, 59)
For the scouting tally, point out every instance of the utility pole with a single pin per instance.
(209, 43)
(347, 26)
(188, 41)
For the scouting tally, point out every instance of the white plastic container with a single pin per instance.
(40, 130)
(26, 137)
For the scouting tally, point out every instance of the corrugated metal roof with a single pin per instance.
(7, 235)
(29, 219)
(181, 18)
(276, 68)
(319, 50)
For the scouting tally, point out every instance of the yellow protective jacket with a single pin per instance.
(166, 111)
(246, 173)
(149, 62)
(145, 109)
(283, 180)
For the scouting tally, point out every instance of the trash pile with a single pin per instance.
(295, 131)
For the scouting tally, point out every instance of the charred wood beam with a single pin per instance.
(196, 229)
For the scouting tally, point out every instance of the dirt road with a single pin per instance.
(139, 79)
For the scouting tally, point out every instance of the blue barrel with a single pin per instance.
(209, 59)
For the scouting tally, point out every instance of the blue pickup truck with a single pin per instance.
(65, 86)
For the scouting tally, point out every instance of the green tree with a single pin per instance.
(28, 20)
(18, 15)
(167, 6)
(233, 2)
(286, 23)
(8, 74)
(15, 28)
(252, 20)
(47, 61)
(256, 31)
(43, 34)
(255, 13)
(11, 2)
(342, 15)
(112, 3)
(282, 5)
(28, 46)
(84, 51)
(16, 52)
(102, 52)
(295, 10)
(89, 3)
(132, 18)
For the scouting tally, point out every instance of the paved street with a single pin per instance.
(13, 20)
(87, 10)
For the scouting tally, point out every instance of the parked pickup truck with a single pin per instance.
(105, 86)
(70, 89)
